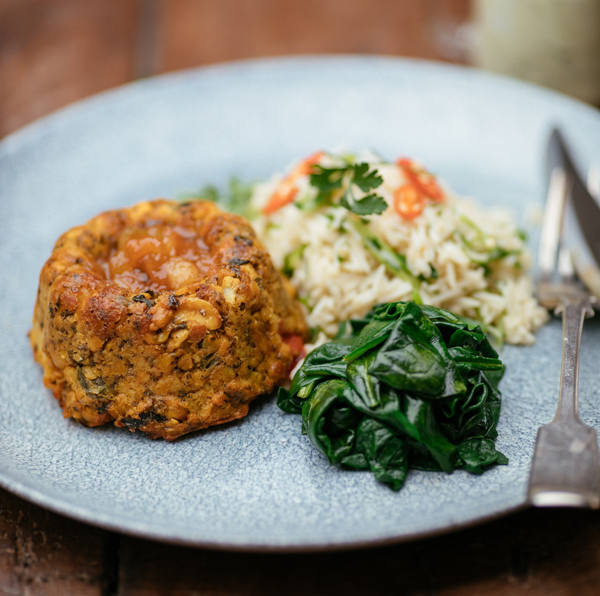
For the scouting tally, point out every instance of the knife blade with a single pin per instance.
(587, 210)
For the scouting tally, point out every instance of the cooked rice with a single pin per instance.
(337, 278)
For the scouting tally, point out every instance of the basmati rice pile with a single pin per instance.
(420, 242)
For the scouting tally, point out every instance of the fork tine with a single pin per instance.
(552, 224)
(593, 181)
(565, 265)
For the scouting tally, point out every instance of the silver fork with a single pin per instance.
(566, 469)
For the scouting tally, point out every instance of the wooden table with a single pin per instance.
(53, 53)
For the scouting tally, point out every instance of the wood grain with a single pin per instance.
(54, 53)
(534, 553)
(45, 554)
(204, 31)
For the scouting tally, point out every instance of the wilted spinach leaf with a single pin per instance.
(407, 386)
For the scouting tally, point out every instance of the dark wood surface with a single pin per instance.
(55, 52)
(534, 553)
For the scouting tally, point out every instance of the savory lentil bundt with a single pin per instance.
(164, 317)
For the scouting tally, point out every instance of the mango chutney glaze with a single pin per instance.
(158, 257)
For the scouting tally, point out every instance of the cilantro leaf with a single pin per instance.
(366, 206)
(327, 179)
(364, 179)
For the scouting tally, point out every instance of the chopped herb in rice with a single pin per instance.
(351, 232)
(428, 245)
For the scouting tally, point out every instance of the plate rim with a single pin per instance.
(81, 514)
(55, 117)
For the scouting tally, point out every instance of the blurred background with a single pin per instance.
(54, 52)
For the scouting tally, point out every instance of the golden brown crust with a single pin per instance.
(166, 362)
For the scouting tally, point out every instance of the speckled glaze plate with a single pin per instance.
(258, 484)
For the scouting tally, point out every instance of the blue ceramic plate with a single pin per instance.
(259, 484)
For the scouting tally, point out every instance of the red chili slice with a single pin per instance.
(422, 179)
(287, 190)
(408, 201)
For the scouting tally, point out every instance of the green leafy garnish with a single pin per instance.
(363, 178)
(369, 205)
(482, 248)
(291, 260)
(395, 263)
(235, 198)
(339, 183)
(327, 180)
(406, 387)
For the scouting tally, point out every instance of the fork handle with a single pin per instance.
(574, 311)
(565, 470)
